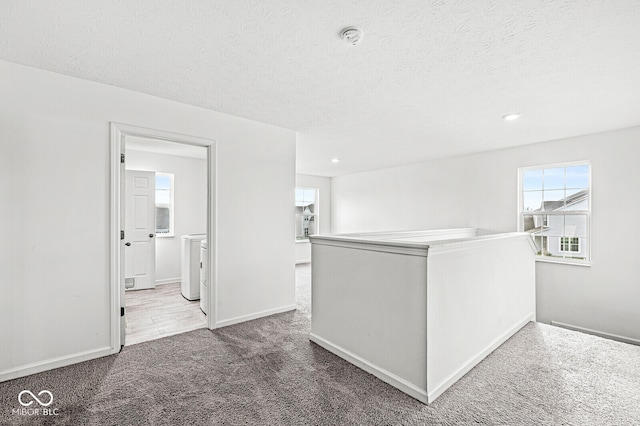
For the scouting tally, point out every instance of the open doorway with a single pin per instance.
(166, 191)
(162, 190)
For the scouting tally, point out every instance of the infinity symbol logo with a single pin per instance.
(35, 397)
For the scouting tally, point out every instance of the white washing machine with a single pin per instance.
(190, 285)
(204, 266)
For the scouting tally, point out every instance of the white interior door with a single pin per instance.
(140, 230)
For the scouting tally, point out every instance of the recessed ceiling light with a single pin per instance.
(511, 116)
(351, 36)
(335, 160)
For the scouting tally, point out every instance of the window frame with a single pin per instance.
(587, 213)
(171, 206)
(315, 214)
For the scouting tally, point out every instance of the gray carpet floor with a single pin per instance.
(266, 372)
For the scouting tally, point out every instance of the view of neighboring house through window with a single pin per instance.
(555, 207)
(306, 213)
(164, 204)
(570, 244)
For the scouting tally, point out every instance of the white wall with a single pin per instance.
(303, 248)
(481, 191)
(190, 204)
(55, 192)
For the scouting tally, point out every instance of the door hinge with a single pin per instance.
(122, 158)
(122, 311)
(122, 235)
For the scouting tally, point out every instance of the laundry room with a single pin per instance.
(162, 266)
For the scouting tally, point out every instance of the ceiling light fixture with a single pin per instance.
(335, 160)
(351, 36)
(511, 116)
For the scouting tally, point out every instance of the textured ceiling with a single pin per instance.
(431, 78)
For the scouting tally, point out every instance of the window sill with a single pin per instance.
(302, 241)
(564, 261)
(164, 235)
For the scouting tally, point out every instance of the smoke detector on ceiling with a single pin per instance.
(351, 36)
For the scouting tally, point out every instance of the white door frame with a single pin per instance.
(118, 133)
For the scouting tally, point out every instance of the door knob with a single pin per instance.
(151, 235)
(127, 244)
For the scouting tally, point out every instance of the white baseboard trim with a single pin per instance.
(617, 337)
(168, 281)
(50, 364)
(472, 362)
(382, 374)
(299, 262)
(243, 318)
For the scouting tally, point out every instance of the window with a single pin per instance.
(555, 208)
(570, 244)
(164, 204)
(306, 213)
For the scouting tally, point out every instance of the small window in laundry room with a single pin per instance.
(164, 204)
